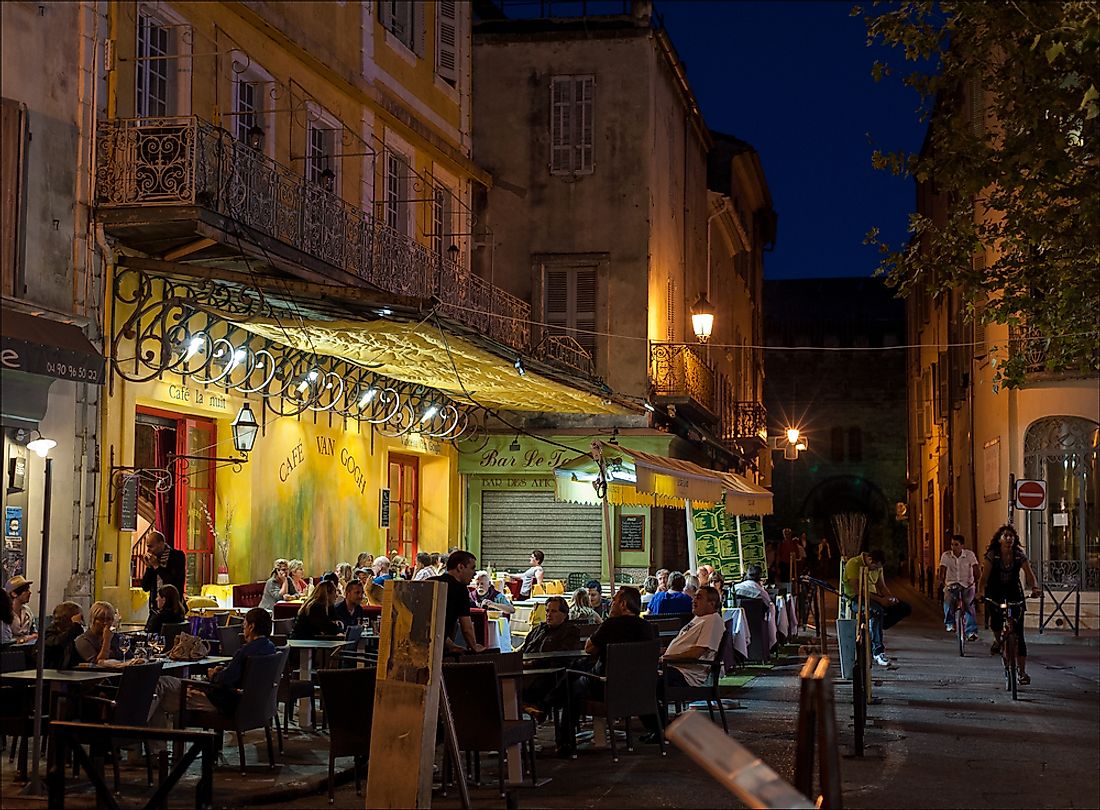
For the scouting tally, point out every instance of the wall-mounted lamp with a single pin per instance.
(452, 252)
(245, 429)
(702, 318)
(514, 446)
(255, 137)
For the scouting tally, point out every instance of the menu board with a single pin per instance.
(128, 504)
(631, 532)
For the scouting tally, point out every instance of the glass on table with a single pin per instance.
(124, 644)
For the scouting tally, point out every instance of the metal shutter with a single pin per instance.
(514, 523)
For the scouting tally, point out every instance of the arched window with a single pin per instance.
(1063, 451)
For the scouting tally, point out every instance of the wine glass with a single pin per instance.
(124, 645)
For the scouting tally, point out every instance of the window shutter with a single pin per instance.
(583, 95)
(584, 310)
(447, 40)
(942, 405)
(12, 153)
(418, 28)
(557, 300)
(385, 14)
(670, 310)
(561, 124)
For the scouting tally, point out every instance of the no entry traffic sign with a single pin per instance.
(1031, 494)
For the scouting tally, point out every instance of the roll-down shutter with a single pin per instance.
(514, 523)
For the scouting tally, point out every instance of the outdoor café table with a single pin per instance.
(305, 648)
(63, 675)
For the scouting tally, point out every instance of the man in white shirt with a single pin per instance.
(751, 588)
(698, 641)
(959, 566)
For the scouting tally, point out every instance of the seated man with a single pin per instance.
(382, 570)
(349, 610)
(224, 680)
(674, 600)
(596, 599)
(556, 633)
(696, 642)
(884, 609)
(751, 588)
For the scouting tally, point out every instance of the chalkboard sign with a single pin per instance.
(384, 509)
(631, 532)
(128, 504)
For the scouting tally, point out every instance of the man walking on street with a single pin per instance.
(959, 566)
(884, 609)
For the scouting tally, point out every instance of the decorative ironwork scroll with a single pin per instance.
(192, 328)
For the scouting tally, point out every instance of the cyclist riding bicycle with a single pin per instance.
(959, 567)
(1004, 559)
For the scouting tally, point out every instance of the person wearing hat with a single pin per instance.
(23, 627)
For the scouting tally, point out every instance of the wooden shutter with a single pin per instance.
(385, 14)
(13, 139)
(561, 124)
(584, 89)
(447, 40)
(584, 309)
(418, 26)
(942, 375)
(556, 312)
(670, 310)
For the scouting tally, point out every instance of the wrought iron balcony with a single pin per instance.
(744, 421)
(679, 375)
(1026, 342)
(157, 177)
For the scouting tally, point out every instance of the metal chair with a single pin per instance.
(347, 696)
(754, 615)
(172, 629)
(479, 715)
(230, 639)
(576, 579)
(708, 691)
(628, 688)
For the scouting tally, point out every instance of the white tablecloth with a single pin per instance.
(739, 636)
(500, 634)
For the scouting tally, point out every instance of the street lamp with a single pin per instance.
(245, 427)
(702, 318)
(42, 447)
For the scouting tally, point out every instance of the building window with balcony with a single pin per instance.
(321, 140)
(442, 234)
(570, 297)
(395, 210)
(251, 91)
(156, 69)
(572, 133)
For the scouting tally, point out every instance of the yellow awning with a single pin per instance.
(644, 479)
(418, 353)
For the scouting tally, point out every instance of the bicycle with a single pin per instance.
(960, 614)
(1008, 641)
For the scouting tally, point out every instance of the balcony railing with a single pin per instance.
(679, 371)
(1027, 342)
(184, 161)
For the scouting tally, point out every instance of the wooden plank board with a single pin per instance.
(406, 697)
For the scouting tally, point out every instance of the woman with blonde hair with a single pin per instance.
(345, 574)
(316, 616)
(99, 642)
(298, 578)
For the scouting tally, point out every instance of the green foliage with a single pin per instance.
(1015, 172)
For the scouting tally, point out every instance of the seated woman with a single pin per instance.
(278, 586)
(298, 578)
(61, 636)
(317, 617)
(99, 642)
(581, 611)
(488, 597)
(346, 574)
(170, 610)
(649, 589)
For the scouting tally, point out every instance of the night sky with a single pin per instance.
(793, 79)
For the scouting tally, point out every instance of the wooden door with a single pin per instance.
(404, 483)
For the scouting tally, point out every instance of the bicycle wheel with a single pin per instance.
(960, 629)
(1009, 654)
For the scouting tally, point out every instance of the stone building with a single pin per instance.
(836, 371)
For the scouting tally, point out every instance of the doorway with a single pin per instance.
(404, 483)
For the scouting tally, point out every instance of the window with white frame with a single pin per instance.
(246, 106)
(447, 41)
(442, 235)
(321, 140)
(396, 192)
(569, 303)
(404, 19)
(572, 134)
(155, 67)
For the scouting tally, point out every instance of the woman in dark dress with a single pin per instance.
(170, 610)
(1004, 559)
(317, 617)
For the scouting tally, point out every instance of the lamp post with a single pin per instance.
(42, 447)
